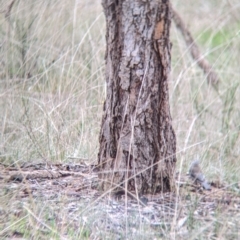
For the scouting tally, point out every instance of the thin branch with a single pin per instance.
(212, 76)
(8, 11)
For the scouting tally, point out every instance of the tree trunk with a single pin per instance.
(137, 141)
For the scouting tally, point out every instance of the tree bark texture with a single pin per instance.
(137, 141)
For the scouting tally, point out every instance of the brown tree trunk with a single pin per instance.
(137, 141)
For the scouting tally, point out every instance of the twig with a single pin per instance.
(212, 76)
(8, 11)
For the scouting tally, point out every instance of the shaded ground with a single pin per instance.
(56, 201)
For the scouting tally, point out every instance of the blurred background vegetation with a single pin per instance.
(52, 84)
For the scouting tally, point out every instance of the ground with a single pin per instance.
(62, 201)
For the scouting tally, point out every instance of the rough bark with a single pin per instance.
(137, 141)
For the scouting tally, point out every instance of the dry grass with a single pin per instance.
(52, 90)
(52, 80)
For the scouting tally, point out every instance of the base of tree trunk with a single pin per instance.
(137, 141)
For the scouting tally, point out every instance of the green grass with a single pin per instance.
(52, 89)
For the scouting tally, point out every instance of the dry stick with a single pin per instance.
(8, 11)
(212, 76)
